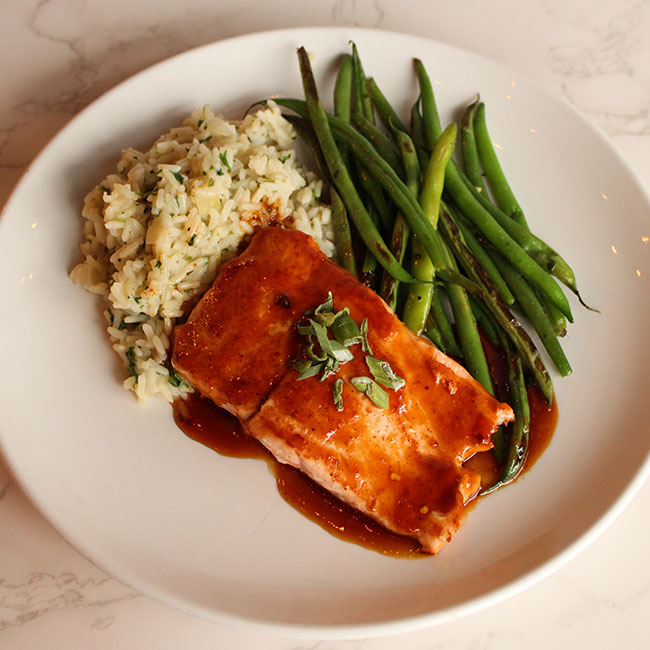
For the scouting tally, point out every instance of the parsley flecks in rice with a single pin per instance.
(156, 232)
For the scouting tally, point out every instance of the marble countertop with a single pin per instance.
(58, 55)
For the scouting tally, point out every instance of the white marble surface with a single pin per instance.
(58, 55)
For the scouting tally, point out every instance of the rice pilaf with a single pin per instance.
(156, 232)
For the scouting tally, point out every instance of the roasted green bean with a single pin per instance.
(341, 177)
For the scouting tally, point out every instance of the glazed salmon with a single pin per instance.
(401, 465)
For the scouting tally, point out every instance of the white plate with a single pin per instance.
(210, 535)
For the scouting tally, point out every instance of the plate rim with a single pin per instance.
(328, 631)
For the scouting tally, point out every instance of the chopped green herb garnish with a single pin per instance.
(345, 330)
(327, 306)
(205, 139)
(178, 176)
(383, 373)
(158, 264)
(224, 159)
(122, 325)
(283, 159)
(198, 124)
(192, 239)
(305, 329)
(331, 347)
(174, 378)
(325, 355)
(306, 368)
(365, 346)
(337, 394)
(330, 367)
(211, 182)
(313, 354)
(372, 389)
(130, 357)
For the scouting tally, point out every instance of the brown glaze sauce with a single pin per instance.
(543, 421)
(217, 429)
(213, 427)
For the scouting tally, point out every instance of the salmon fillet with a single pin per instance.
(403, 465)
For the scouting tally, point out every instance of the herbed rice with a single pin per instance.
(156, 232)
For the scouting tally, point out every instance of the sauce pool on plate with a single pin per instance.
(217, 429)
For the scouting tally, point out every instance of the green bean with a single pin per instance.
(483, 319)
(497, 307)
(439, 317)
(368, 275)
(537, 248)
(363, 112)
(396, 188)
(417, 133)
(482, 256)
(398, 245)
(491, 329)
(501, 240)
(384, 173)
(534, 311)
(401, 230)
(383, 107)
(501, 190)
(343, 89)
(341, 177)
(545, 256)
(379, 141)
(410, 160)
(480, 214)
(433, 333)
(342, 234)
(472, 167)
(491, 229)
(435, 176)
(424, 306)
(411, 167)
(430, 117)
(364, 151)
(340, 223)
(343, 100)
(520, 432)
(550, 260)
(418, 302)
(557, 318)
(361, 98)
(377, 202)
(470, 204)
(506, 201)
(471, 163)
(468, 336)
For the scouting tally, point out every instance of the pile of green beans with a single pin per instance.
(445, 243)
